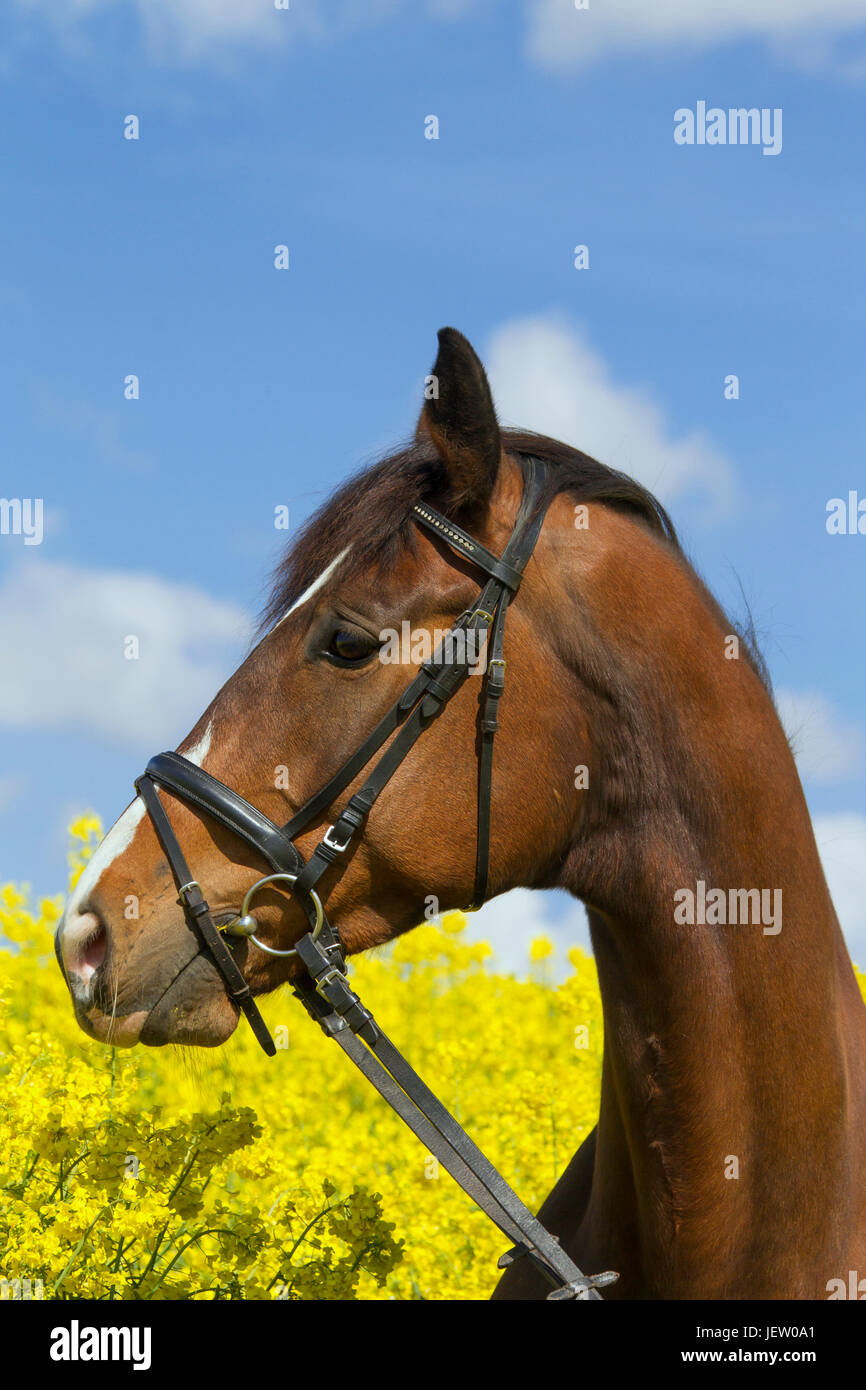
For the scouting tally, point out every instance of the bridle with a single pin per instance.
(327, 993)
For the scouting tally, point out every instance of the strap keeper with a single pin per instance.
(190, 898)
(408, 698)
(431, 668)
(436, 690)
(358, 807)
(335, 989)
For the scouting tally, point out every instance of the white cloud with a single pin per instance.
(842, 845)
(545, 376)
(562, 37)
(202, 24)
(192, 24)
(183, 30)
(828, 748)
(62, 631)
(557, 35)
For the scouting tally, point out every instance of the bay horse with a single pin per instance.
(727, 1161)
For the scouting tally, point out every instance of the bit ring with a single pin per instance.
(245, 924)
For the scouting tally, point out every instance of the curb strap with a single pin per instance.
(331, 1001)
(198, 916)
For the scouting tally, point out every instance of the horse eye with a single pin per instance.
(351, 648)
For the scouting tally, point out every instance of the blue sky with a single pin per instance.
(261, 387)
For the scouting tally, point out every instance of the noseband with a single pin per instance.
(326, 993)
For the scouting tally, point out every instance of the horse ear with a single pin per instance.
(460, 419)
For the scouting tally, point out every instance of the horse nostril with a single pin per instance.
(84, 943)
(94, 951)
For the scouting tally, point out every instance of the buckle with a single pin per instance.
(575, 1289)
(581, 1288)
(496, 679)
(328, 839)
(182, 892)
(328, 977)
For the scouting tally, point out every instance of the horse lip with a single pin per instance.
(117, 1031)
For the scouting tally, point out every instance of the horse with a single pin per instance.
(727, 1162)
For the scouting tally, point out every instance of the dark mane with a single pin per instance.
(373, 508)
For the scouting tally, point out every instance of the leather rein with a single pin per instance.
(326, 993)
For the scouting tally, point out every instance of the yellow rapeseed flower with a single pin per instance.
(541, 948)
(135, 1175)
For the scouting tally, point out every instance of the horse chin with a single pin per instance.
(193, 1011)
(202, 1016)
(109, 1028)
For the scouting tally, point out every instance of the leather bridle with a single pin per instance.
(327, 993)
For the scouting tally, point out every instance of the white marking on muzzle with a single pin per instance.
(115, 842)
(119, 837)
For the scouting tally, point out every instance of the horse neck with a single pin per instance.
(734, 1047)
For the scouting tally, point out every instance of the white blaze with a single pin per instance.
(199, 751)
(316, 585)
(115, 842)
(119, 837)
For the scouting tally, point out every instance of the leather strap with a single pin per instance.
(493, 688)
(323, 798)
(496, 566)
(527, 529)
(198, 916)
(337, 1008)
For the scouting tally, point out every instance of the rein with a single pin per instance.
(326, 993)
